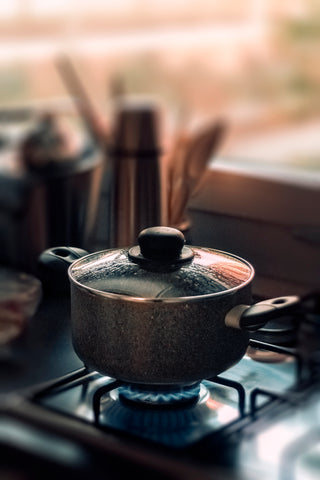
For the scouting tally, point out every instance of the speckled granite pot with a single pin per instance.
(162, 313)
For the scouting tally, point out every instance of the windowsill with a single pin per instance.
(286, 196)
(272, 220)
(308, 177)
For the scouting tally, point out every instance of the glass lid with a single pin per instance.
(161, 267)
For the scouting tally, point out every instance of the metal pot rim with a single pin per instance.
(151, 300)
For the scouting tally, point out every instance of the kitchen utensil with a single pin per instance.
(20, 295)
(51, 205)
(187, 165)
(163, 313)
(91, 117)
(135, 201)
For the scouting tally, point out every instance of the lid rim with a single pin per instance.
(177, 299)
(191, 298)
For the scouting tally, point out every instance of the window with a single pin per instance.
(254, 62)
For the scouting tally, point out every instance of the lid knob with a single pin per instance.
(161, 243)
(160, 247)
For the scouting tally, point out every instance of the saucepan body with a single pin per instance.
(143, 318)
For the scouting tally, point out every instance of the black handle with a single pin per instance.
(160, 248)
(253, 317)
(53, 266)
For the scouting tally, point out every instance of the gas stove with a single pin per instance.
(260, 418)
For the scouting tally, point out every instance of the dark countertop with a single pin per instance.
(44, 351)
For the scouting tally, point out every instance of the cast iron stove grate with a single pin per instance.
(255, 403)
(223, 400)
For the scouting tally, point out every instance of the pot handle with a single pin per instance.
(253, 317)
(53, 266)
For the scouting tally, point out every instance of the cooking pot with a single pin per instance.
(163, 313)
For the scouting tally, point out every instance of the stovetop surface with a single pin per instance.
(280, 436)
(174, 426)
(268, 435)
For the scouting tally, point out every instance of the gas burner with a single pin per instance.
(183, 424)
(161, 395)
(309, 339)
(282, 331)
(266, 356)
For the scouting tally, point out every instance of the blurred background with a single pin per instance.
(252, 65)
(253, 62)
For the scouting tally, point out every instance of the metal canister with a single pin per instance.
(135, 195)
